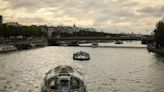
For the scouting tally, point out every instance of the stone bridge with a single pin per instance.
(77, 40)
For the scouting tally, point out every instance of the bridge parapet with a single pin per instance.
(71, 40)
(94, 38)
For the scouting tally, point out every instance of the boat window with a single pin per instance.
(81, 54)
(64, 83)
(52, 83)
(75, 83)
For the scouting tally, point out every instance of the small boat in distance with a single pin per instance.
(81, 56)
(94, 44)
(63, 79)
(119, 42)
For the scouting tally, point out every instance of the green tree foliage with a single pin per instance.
(7, 31)
(1, 30)
(159, 34)
(26, 31)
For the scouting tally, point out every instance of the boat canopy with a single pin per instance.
(63, 70)
(63, 79)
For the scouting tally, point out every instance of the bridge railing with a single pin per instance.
(94, 38)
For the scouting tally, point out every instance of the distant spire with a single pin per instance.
(1, 19)
(74, 25)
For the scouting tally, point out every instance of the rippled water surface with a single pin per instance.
(109, 70)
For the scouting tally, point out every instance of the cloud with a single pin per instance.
(153, 11)
(109, 15)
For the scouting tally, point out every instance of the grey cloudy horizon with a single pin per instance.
(108, 15)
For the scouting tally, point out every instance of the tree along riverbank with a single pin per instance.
(158, 45)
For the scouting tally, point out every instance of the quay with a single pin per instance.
(159, 51)
(24, 43)
(135, 47)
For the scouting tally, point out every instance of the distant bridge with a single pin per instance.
(92, 38)
(77, 40)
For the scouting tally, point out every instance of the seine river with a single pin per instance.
(119, 68)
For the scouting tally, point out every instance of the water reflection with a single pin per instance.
(109, 70)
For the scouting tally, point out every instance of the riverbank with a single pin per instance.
(22, 44)
(155, 50)
(12, 48)
(7, 48)
(126, 44)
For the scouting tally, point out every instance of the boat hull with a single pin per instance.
(81, 59)
(81, 56)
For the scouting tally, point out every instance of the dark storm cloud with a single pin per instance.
(153, 11)
(32, 20)
(148, 10)
(124, 13)
(132, 3)
(22, 3)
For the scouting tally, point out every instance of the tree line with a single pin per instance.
(26, 31)
(159, 34)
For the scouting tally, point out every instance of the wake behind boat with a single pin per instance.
(81, 56)
(63, 79)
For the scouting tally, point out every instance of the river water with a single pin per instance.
(110, 69)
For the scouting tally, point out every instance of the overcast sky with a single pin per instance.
(108, 15)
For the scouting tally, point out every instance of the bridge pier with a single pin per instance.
(73, 44)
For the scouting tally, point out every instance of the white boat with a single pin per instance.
(7, 48)
(119, 42)
(94, 45)
(81, 56)
(63, 79)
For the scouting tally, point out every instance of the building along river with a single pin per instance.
(109, 70)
